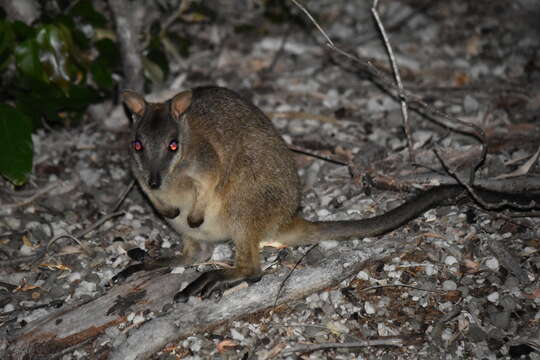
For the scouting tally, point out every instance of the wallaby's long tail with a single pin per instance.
(303, 232)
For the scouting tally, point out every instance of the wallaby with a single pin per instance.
(214, 166)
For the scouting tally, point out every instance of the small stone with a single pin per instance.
(445, 306)
(476, 333)
(528, 251)
(389, 267)
(131, 316)
(470, 104)
(74, 276)
(26, 250)
(85, 288)
(450, 260)
(166, 244)
(362, 275)
(328, 244)
(509, 303)
(193, 343)
(337, 327)
(323, 213)
(138, 319)
(90, 177)
(449, 285)
(236, 335)
(9, 308)
(447, 335)
(430, 270)
(222, 252)
(493, 297)
(500, 319)
(492, 264)
(369, 308)
(12, 223)
(325, 296)
(178, 270)
(136, 209)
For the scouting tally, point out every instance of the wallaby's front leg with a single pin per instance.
(195, 217)
(163, 209)
(247, 268)
(204, 173)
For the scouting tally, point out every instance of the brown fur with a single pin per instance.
(232, 177)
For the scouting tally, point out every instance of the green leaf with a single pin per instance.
(80, 38)
(102, 75)
(55, 47)
(22, 31)
(85, 10)
(28, 62)
(7, 37)
(15, 145)
(7, 42)
(109, 54)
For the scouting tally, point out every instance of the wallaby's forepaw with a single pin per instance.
(127, 272)
(194, 221)
(169, 213)
(145, 263)
(211, 282)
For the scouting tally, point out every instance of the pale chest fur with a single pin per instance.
(213, 228)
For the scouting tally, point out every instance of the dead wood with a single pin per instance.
(128, 24)
(82, 323)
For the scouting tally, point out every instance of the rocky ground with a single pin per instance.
(459, 282)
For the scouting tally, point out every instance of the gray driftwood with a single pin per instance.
(82, 323)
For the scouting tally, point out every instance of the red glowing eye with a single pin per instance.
(173, 146)
(137, 145)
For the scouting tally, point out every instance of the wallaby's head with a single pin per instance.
(159, 131)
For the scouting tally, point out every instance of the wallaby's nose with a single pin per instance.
(155, 181)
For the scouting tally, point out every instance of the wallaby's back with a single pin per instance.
(258, 176)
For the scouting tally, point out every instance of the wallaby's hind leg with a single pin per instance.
(247, 268)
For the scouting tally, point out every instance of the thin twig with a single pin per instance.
(301, 115)
(23, 259)
(330, 159)
(85, 248)
(487, 205)
(123, 196)
(280, 51)
(75, 237)
(395, 68)
(84, 232)
(98, 223)
(328, 40)
(401, 285)
(291, 271)
(395, 341)
(387, 83)
(32, 198)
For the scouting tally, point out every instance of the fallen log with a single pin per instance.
(152, 292)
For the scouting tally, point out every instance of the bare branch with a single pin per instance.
(389, 341)
(127, 31)
(434, 114)
(395, 68)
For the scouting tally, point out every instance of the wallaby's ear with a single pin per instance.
(134, 102)
(180, 103)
